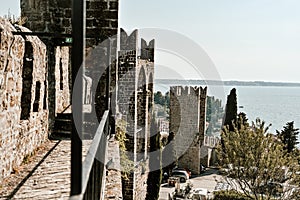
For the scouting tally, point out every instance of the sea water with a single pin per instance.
(274, 105)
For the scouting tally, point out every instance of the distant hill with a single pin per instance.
(226, 83)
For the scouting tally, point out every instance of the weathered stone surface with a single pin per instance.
(134, 97)
(48, 92)
(48, 180)
(187, 119)
(20, 137)
(62, 87)
(113, 183)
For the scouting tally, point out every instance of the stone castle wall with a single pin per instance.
(141, 176)
(54, 16)
(101, 23)
(62, 87)
(113, 183)
(23, 97)
(47, 16)
(187, 119)
(135, 84)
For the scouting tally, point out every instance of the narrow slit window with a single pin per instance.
(61, 74)
(37, 97)
(45, 96)
(27, 81)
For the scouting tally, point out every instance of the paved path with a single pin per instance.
(209, 180)
(47, 176)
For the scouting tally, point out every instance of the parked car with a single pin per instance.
(183, 169)
(183, 175)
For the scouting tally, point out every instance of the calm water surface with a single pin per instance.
(274, 105)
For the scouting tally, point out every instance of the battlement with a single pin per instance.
(128, 42)
(147, 50)
(188, 90)
(129, 46)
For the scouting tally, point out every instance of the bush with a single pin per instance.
(229, 195)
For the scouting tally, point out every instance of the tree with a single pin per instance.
(231, 110)
(230, 114)
(242, 120)
(214, 112)
(256, 162)
(289, 136)
(167, 100)
(127, 165)
(155, 165)
(159, 98)
(169, 158)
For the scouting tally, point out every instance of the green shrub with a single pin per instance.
(229, 195)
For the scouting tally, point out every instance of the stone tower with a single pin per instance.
(187, 123)
(134, 103)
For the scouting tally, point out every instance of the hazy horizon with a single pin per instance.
(228, 80)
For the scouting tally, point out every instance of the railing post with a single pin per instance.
(108, 74)
(78, 35)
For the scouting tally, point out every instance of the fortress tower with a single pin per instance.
(187, 123)
(134, 103)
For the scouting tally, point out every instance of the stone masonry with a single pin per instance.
(113, 184)
(187, 122)
(45, 175)
(35, 81)
(23, 83)
(62, 88)
(54, 16)
(134, 103)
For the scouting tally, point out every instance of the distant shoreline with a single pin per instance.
(226, 83)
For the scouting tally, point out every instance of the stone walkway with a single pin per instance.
(45, 176)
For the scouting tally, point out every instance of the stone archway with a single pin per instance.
(150, 92)
(141, 113)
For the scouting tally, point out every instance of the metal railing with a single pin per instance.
(88, 177)
(66, 108)
(93, 168)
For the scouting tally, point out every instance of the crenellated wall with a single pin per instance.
(134, 102)
(187, 122)
(23, 97)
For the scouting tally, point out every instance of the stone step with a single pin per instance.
(60, 135)
(64, 116)
(62, 126)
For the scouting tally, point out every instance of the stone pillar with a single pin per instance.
(51, 84)
(126, 98)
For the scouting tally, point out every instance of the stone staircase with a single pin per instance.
(62, 127)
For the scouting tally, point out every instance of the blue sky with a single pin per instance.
(245, 39)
